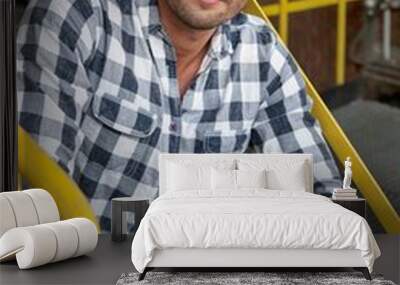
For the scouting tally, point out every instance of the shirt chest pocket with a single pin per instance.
(228, 141)
(124, 116)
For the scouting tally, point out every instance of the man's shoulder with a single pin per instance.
(251, 29)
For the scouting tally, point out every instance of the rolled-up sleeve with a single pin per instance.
(284, 123)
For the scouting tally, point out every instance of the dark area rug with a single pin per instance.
(244, 278)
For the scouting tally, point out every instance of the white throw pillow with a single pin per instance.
(281, 175)
(291, 179)
(183, 178)
(251, 178)
(231, 180)
(223, 179)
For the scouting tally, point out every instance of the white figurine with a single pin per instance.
(347, 174)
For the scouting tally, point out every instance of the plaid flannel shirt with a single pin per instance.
(98, 90)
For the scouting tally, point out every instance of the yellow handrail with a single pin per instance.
(40, 171)
(341, 42)
(271, 10)
(284, 21)
(342, 147)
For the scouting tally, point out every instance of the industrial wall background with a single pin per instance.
(335, 19)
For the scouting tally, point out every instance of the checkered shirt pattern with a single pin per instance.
(98, 90)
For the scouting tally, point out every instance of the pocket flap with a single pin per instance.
(124, 116)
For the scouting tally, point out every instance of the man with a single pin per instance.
(105, 86)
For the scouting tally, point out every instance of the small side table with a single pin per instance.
(119, 207)
(358, 206)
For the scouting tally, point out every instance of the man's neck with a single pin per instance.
(188, 42)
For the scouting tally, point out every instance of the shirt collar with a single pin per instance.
(221, 44)
(149, 17)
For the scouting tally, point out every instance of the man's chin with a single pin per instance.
(203, 14)
(204, 25)
(207, 20)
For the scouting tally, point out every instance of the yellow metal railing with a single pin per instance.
(286, 7)
(342, 148)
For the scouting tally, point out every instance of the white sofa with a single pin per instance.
(31, 231)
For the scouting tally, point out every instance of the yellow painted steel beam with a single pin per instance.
(300, 6)
(341, 42)
(40, 171)
(342, 147)
(284, 20)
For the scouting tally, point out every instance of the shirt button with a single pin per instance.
(173, 127)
